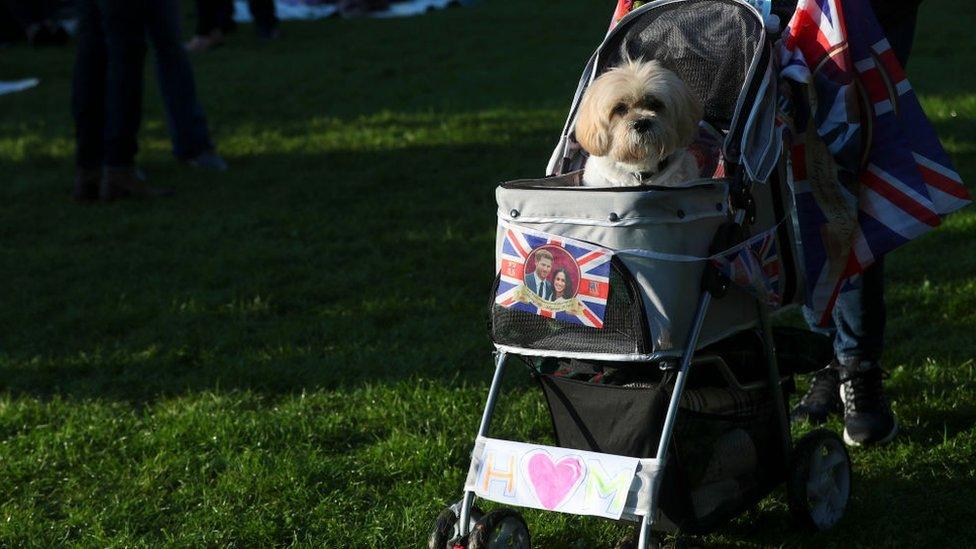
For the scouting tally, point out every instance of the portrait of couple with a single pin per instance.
(547, 282)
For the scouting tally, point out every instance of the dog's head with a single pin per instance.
(637, 114)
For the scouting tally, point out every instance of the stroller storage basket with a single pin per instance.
(726, 455)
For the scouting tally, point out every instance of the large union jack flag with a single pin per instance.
(892, 180)
(583, 301)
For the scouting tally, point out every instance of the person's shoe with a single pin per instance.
(868, 418)
(821, 399)
(86, 185)
(125, 183)
(208, 160)
(205, 42)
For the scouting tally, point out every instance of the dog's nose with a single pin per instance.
(642, 125)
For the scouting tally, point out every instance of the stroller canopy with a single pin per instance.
(720, 50)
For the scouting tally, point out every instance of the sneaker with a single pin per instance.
(821, 400)
(868, 418)
(208, 160)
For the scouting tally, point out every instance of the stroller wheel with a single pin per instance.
(500, 528)
(446, 528)
(820, 480)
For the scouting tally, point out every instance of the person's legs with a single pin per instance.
(124, 24)
(858, 326)
(88, 101)
(858, 344)
(265, 18)
(225, 15)
(184, 115)
(206, 17)
(88, 87)
(209, 31)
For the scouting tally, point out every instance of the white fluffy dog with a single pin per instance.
(636, 121)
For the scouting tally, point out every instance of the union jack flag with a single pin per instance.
(585, 302)
(755, 266)
(623, 8)
(893, 180)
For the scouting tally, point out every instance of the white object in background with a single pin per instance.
(11, 86)
(298, 9)
(408, 9)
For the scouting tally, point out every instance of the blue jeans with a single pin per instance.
(858, 318)
(106, 97)
(184, 115)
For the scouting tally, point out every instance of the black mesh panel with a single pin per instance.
(708, 43)
(729, 461)
(623, 329)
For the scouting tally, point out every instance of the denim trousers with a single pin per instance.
(858, 320)
(107, 85)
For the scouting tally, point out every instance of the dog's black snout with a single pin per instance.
(642, 125)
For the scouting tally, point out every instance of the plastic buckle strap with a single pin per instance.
(740, 196)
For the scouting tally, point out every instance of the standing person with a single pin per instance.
(215, 18)
(34, 19)
(265, 18)
(106, 96)
(853, 382)
(106, 100)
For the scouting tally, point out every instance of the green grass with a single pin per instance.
(294, 352)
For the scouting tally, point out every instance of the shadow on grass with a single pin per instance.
(922, 512)
(355, 268)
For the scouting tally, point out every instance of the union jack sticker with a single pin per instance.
(555, 277)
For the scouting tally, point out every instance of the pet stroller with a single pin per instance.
(665, 382)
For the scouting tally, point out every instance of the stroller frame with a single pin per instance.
(650, 491)
(816, 468)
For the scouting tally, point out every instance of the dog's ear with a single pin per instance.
(689, 113)
(592, 124)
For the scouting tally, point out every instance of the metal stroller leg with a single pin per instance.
(786, 440)
(496, 382)
(669, 420)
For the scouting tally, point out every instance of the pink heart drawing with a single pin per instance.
(553, 482)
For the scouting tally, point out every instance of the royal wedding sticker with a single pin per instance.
(555, 277)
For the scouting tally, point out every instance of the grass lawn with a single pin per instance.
(295, 352)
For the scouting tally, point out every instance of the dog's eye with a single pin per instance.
(620, 109)
(653, 103)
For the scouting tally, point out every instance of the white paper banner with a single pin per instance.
(550, 478)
